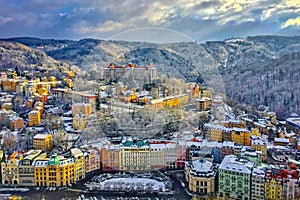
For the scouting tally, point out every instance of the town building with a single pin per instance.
(79, 122)
(257, 184)
(157, 155)
(34, 118)
(135, 156)
(240, 136)
(281, 141)
(92, 161)
(234, 123)
(26, 169)
(192, 145)
(281, 184)
(200, 175)
(42, 142)
(16, 123)
(273, 185)
(217, 153)
(10, 168)
(259, 145)
(170, 155)
(110, 158)
(55, 171)
(82, 109)
(141, 74)
(293, 124)
(79, 163)
(180, 155)
(227, 148)
(203, 104)
(251, 155)
(235, 178)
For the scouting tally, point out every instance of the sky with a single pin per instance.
(149, 20)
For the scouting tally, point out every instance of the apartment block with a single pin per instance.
(235, 178)
(42, 142)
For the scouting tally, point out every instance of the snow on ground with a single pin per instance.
(133, 183)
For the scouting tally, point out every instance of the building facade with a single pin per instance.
(235, 178)
(200, 175)
(42, 142)
(257, 184)
(34, 118)
(55, 171)
(135, 156)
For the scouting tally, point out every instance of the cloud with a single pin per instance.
(291, 22)
(4, 20)
(102, 18)
(109, 26)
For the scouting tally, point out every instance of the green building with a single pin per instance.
(251, 155)
(235, 178)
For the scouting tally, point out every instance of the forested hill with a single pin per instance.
(255, 70)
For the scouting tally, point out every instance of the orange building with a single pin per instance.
(92, 161)
(110, 158)
(16, 123)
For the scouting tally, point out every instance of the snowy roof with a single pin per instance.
(258, 141)
(157, 146)
(171, 145)
(40, 136)
(201, 167)
(258, 172)
(228, 144)
(40, 163)
(248, 151)
(33, 112)
(294, 120)
(285, 140)
(240, 129)
(217, 127)
(76, 152)
(232, 163)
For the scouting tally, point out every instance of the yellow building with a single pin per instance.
(82, 108)
(216, 135)
(259, 145)
(203, 104)
(55, 171)
(273, 189)
(241, 136)
(79, 162)
(255, 132)
(68, 82)
(10, 169)
(42, 142)
(79, 122)
(200, 175)
(34, 118)
(233, 123)
(135, 156)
